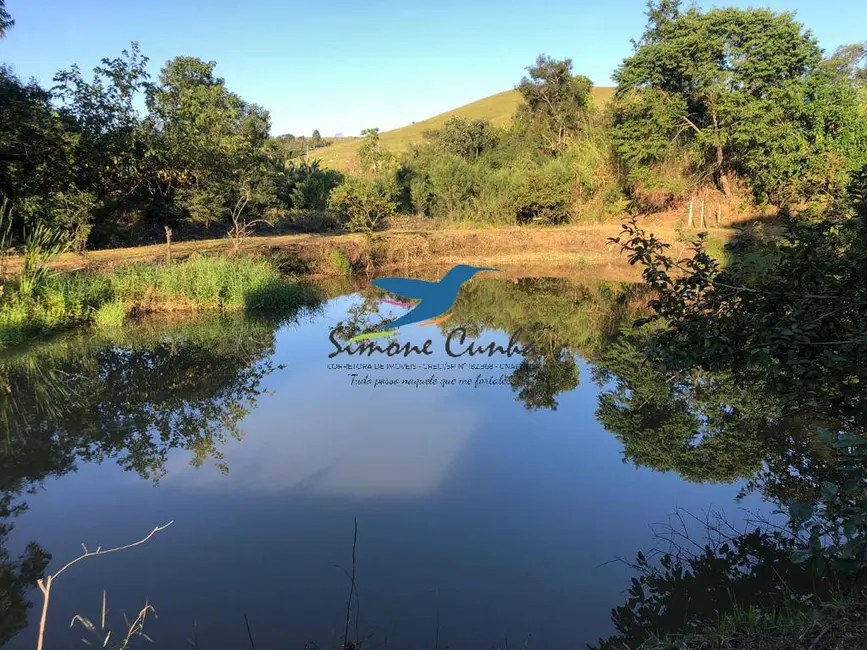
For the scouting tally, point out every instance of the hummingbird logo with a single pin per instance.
(434, 298)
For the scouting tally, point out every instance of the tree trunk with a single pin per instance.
(718, 167)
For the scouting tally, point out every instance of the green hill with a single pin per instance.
(499, 109)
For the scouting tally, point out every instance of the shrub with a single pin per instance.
(111, 314)
(452, 182)
(307, 186)
(363, 204)
(335, 262)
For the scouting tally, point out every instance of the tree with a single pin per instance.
(6, 21)
(371, 155)
(212, 141)
(739, 91)
(112, 141)
(851, 60)
(39, 175)
(306, 186)
(468, 139)
(557, 101)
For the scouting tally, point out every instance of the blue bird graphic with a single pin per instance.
(436, 297)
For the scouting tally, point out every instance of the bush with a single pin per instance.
(452, 182)
(111, 314)
(527, 193)
(307, 186)
(335, 262)
(364, 204)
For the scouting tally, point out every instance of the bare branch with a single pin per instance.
(45, 585)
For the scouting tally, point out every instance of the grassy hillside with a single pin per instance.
(498, 108)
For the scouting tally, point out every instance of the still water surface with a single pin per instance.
(487, 514)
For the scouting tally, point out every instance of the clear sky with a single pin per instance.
(344, 65)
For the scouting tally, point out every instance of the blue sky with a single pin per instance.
(344, 65)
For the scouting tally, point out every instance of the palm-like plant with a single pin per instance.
(42, 246)
(5, 19)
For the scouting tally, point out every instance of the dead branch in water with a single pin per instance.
(45, 585)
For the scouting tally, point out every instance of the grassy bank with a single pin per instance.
(838, 625)
(30, 307)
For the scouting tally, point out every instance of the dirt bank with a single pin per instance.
(517, 250)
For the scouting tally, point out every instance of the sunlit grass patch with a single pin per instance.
(111, 314)
(105, 299)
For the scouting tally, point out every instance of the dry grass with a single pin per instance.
(498, 109)
(412, 244)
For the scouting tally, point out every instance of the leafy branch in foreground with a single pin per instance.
(789, 316)
(787, 320)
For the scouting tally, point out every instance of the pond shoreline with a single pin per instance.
(554, 248)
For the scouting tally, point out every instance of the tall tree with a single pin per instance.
(740, 91)
(556, 101)
(212, 141)
(371, 155)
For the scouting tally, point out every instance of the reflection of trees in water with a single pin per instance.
(706, 427)
(710, 425)
(559, 317)
(688, 585)
(130, 396)
(542, 376)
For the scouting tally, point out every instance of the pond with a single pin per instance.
(492, 494)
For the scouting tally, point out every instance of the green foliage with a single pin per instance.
(371, 156)
(5, 19)
(468, 139)
(42, 246)
(106, 298)
(337, 263)
(740, 92)
(421, 194)
(306, 187)
(452, 182)
(364, 204)
(557, 102)
(110, 314)
(554, 165)
(212, 142)
(759, 361)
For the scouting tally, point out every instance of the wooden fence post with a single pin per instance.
(168, 244)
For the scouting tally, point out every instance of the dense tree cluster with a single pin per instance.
(745, 93)
(552, 165)
(739, 102)
(85, 160)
